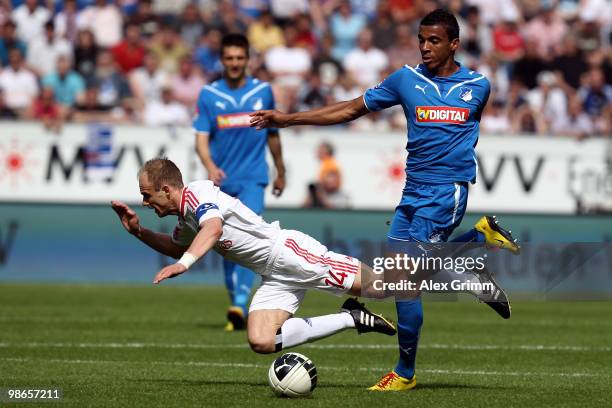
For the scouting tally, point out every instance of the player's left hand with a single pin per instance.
(169, 271)
(278, 186)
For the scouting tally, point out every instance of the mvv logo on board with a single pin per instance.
(66, 165)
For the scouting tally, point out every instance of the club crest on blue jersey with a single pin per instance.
(235, 146)
(443, 114)
(203, 208)
(465, 94)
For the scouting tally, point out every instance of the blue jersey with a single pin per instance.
(236, 148)
(443, 116)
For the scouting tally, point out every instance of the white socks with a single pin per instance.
(296, 331)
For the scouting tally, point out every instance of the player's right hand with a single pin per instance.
(216, 175)
(129, 218)
(269, 119)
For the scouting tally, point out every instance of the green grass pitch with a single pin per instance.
(133, 346)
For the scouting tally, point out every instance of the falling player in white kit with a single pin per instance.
(290, 262)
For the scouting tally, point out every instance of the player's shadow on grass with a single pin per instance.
(441, 386)
(199, 383)
(420, 386)
(233, 383)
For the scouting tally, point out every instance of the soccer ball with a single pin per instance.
(292, 375)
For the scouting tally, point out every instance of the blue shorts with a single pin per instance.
(428, 212)
(251, 194)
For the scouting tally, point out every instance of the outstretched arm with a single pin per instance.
(274, 144)
(162, 243)
(340, 112)
(208, 235)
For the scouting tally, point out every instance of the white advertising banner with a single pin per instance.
(39, 166)
(542, 175)
(96, 164)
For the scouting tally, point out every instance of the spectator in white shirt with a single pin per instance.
(495, 119)
(346, 89)
(366, 62)
(105, 21)
(547, 99)
(165, 112)
(45, 50)
(67, 21)
(30, 19)
(496, 73)
(284, 10)
(577, 123)
(147, 81)
(173, 7)
(494, 11)
(18, 83)
(288, 63)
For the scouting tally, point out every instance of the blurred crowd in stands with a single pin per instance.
(549, 61)
(326, 191)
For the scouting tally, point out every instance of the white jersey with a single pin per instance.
(247, 238)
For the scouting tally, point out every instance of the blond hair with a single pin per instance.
(162, 171)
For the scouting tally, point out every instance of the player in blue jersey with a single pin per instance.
(443, 102)
(234, 153)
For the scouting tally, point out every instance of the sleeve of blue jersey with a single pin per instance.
(486, 91)
(385, 94)
(201, 122)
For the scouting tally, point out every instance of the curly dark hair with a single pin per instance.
(443, 18)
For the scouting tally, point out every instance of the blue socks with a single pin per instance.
(238, 281)
(410, 319)
(470, 236)
(409, 322)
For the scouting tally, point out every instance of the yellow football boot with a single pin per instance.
(236, 319)
(496, 236)
(393, 382)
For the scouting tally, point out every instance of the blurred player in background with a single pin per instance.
(290, 262)
(234, 154)
(443, 102)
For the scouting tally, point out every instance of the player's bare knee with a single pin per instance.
(260, 341)
(262, 344)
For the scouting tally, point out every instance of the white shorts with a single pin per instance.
(300, 262)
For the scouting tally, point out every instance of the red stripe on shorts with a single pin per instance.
(313, 259)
